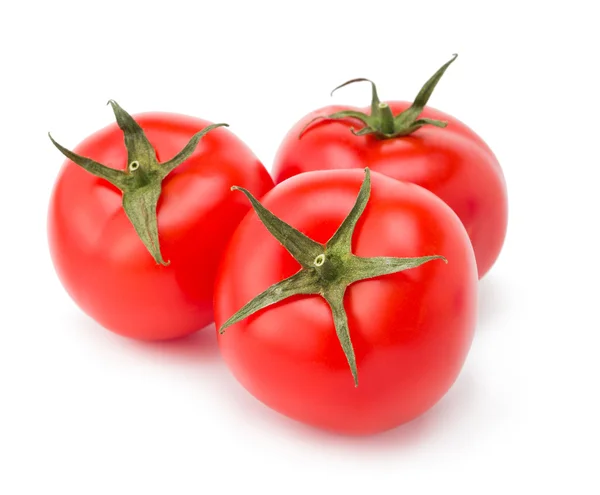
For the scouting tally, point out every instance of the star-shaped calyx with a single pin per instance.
(382, 123)
(141, 182)
(326, 269)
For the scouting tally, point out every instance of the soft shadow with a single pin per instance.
(197, 348)
(453, 408)
(493, 301)
(448, 412)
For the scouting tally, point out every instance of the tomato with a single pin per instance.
(300, 333)
(141, 272)
(439, 153)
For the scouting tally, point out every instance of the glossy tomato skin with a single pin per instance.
(454, 163)
(101, 261)
(411, 331)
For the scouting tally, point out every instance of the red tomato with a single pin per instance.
(452, 162)
(411, 331)
(102, 262)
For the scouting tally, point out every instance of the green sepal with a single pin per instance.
(138, 147)
(362, 268)
(408, 117)
(327, 270)
(374, 96)
(335, 299)
(341, 240)
(115, 177)
(140, 208)
(303, 249)
(381, 123)
(362, 132)
(141, 182)
(341, 115)
(303, 282)
(187, 151)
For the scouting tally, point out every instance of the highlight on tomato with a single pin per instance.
(139, 216)
(410, 142)
(347, 300)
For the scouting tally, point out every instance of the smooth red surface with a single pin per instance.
(411, 330)
(454, 163)
(101, 261)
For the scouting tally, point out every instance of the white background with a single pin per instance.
(87, 412)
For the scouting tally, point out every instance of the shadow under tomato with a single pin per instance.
(197, 348)
(194, 350)
(453, 408)
(494, 301)
(449, 411)
(200, 350)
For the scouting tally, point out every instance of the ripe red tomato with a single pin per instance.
(452, 162)
(99, 257)
(410, 331)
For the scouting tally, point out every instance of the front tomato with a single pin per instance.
(357, 331)
(136, 230)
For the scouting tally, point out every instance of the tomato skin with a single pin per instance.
(454, 163)
(102, 262)
(411, 331)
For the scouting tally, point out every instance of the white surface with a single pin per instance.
(87, 412)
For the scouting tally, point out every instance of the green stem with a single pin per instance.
(387, 119)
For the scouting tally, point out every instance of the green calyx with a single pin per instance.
(141, 182)
(382, 123)
(327, 270)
